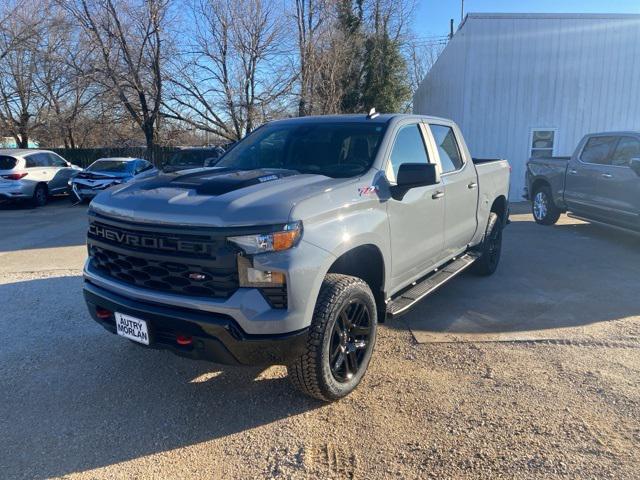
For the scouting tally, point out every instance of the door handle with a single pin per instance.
(573, 172)
(472, 185)
(607, 175)
(437, 195)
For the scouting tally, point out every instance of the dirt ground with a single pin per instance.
(77, 402)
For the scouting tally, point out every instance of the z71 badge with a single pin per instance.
(366, 191)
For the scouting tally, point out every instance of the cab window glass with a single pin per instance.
(627, 149)
(598, 150)
(450, 157)
(408, 148)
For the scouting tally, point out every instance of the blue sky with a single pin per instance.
(432, 16)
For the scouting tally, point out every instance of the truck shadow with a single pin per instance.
(76, 397)
(552, 282)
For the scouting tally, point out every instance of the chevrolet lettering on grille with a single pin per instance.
(168, 244)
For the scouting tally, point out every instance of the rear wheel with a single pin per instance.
(543, 208)
(341, 339)
(39, 198)
(491, 247)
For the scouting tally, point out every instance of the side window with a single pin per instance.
(628, 148)
(542, 142)
(408, 148)
(55, 160)
(447, 148)
(598, 150)
(37, 160)
(31, 161)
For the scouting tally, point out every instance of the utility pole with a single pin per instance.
(461, 10)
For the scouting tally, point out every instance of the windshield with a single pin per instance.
(192, 158)
(116, 166)
(330, 149)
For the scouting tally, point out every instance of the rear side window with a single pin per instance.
(447, 148)
(7, 162)
(628, 148)
(37, 160)
(598, 150)
(408, 148)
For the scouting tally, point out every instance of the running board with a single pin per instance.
(435, 280)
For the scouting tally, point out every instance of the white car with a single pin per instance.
(33, 175)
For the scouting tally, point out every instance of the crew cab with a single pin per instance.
(599, 183)
(292, 249)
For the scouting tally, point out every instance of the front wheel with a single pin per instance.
(341, 340)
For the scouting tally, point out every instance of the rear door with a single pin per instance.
(459, 179)
(37, 167)
(584, 172)
(619, 185)
(416, 221)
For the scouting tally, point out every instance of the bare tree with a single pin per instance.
(20, 40)
(236, 73)
(128, 34)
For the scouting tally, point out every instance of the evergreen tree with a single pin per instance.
(385, 80)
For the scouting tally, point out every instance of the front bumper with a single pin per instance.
(215, 336)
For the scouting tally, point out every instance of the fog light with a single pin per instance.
(253, 278)
(259, 276)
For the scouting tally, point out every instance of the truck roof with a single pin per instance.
(616, 133)
(356, 118)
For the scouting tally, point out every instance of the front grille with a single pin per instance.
(167, 276)
(187, 262)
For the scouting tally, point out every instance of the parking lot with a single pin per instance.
(531, 373)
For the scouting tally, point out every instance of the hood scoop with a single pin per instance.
(216, 182)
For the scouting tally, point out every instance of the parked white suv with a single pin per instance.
(33, 175)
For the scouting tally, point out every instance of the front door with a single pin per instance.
(619, 186)
(61, 173)
(583, 174)
(417, 221)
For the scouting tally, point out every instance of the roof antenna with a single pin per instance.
(372, 114)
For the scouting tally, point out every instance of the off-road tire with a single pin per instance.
(490, 248)
(550, 213)
(40, 196)
(311, 373)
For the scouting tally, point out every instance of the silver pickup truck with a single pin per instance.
(296, 244)
(599, 183)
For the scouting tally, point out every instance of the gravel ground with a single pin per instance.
(77, 402)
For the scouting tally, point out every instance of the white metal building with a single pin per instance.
(533, 84)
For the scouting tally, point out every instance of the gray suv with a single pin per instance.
(33, 175)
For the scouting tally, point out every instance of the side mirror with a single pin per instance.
(413, 175)
(634, 163)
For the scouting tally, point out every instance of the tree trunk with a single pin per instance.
(23, 140)
(148, 135)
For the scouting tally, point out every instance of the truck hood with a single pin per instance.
(216, 197)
